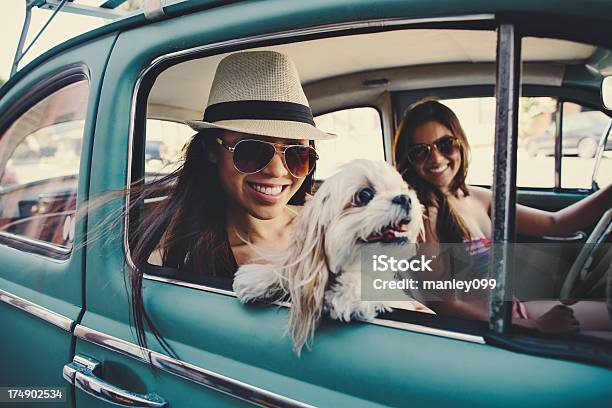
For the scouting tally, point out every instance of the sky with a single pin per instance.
(63, 27)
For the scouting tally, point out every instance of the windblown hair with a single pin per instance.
(299, 275)
(187, 225)
(449, 225)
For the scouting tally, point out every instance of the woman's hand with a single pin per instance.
(559, 319)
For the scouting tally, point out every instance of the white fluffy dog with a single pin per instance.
(364, 202)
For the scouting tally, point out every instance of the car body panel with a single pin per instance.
(376, 364)
(50, 287)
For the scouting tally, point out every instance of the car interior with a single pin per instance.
(360, 85)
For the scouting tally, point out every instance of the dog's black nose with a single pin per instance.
(403, 200)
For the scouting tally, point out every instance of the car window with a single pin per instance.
(359, 128)
(582, 131)
(39, 164)
(164, 145)
(536, 164)
(359, 137)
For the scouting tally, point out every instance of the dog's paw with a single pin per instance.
(358, 310)
(255, 281)
(368, 310)
(338, 310)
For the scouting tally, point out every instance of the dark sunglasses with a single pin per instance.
(446, 145)
(252, 155)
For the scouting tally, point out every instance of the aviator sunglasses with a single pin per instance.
(446, 145)
(252, 155)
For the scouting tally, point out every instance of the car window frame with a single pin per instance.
(463, 329)
(487, 333)
(55, 82)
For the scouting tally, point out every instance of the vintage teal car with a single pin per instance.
(75, 124)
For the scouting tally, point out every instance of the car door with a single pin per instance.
(48, 112)
(228, 354)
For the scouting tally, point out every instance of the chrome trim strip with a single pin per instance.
(154, 200)
(189, 285)
(429, 330)
(43, 313)
(198, 375)
(46, 245)
(111, 343)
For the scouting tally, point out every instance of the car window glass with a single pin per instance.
(477, 117)
(552, 263)
(164, 145)
(582, 132)
(535, 166)
(536, 141)
(603, 177)
(39, 164)
(359, 137)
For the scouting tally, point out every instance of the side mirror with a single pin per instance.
(606, 92)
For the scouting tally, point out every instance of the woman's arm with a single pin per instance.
(531, 221)
(584, 213)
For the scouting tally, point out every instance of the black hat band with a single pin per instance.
(259, 110)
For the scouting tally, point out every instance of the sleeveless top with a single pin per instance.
(480, 251)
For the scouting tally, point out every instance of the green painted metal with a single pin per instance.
(59, 279)
(33, 351)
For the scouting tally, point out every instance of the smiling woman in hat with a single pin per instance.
(253, 155)
(261, 147)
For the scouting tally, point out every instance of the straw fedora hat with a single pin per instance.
(259, 92)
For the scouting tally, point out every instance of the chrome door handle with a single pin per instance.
(81, 373)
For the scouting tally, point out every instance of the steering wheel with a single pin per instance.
(592, 263)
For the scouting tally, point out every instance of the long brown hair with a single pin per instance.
(187, 225)
(449, 225)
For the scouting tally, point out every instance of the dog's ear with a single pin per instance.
(307, 284)
(307, 271)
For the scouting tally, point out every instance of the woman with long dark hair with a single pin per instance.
(252, 157)
(431, 152)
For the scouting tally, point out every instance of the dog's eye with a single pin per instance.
(364, 196)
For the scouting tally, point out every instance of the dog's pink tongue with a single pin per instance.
(388, 235)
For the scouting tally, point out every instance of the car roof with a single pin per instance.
(533, 13)
(402, 60)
